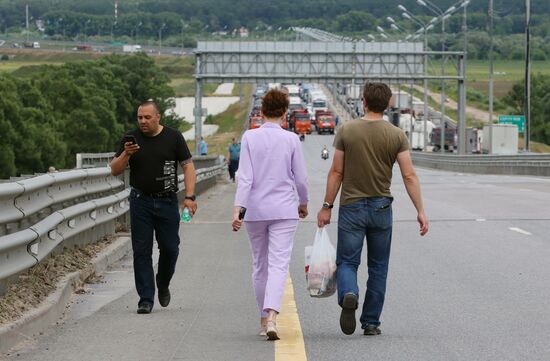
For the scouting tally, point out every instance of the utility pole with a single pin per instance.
(491, 70)
(27, 20)
(527, 102)
(461, 125)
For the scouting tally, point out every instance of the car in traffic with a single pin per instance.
(325, 122)
(301, 121)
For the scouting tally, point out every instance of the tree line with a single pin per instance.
(540, 105)
(49, 113)
(152, 19)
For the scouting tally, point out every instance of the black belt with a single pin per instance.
(163, 194)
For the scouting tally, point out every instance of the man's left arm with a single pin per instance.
(334, 181)
(189, 179)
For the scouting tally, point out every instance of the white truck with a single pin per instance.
(318, 104)
(131, 48)
(400, 100)
(293, 90)
(417, 136)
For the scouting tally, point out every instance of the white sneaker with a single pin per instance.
(271, 331)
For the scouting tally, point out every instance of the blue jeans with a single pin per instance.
(161, 216)
(370, 217)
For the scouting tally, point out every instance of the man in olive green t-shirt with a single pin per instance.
(366, 150)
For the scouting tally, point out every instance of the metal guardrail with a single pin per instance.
(32, 229)
(24, 249)
(24, 198)
(521, 164)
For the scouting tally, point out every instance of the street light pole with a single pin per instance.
(399, 28)
(408, 15)
(160, 38)
(27, 21)
(436, 10)
(182, 41)
(86, 31)
(135, 31)
(527, 102)
(462, 87)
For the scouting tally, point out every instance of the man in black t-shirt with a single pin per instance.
(153, 152)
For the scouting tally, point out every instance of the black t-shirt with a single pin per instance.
(153, 168)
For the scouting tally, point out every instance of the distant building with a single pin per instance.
(40, 25)
(243, 32)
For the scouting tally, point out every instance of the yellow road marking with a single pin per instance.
(291, 346)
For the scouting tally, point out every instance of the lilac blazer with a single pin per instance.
(272, 170)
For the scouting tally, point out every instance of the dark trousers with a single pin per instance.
(233, 167)
(161, 216)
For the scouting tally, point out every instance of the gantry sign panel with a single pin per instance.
(293, 62)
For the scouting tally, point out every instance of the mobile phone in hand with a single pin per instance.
(129, 138)
(242, 212)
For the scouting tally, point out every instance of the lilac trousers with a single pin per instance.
(271, 243)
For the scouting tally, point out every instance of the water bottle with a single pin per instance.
(185, 215)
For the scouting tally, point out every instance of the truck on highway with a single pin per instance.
(400, 100)
(325, 122)
(319, 103)
(301, 122)
(450, 141)
(131, 48)
(33, 44)
(293, 90)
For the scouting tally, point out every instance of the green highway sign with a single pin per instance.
(518, 120)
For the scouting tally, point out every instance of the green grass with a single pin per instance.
(451, 113)
(185, 87)
(506, 74)
(27, 57)
(231, 124)
(233, 118)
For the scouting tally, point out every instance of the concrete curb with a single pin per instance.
(53, 307)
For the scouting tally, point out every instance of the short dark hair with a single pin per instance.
(376, 96)
(152, 103)
(274, 103)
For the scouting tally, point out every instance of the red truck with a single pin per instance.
(301, 122)
(324, 122)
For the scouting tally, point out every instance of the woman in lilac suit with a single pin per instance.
(272, 170)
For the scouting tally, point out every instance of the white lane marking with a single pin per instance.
(519, 230)
(480, 220)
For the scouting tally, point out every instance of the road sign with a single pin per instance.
(518, 120)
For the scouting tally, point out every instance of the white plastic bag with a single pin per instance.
(321, 266)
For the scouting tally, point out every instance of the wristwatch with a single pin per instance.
(327, 205)
(192, 197)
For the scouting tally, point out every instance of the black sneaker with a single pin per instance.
(164, 296)
(144, 308)
(372, 330)
(347, 317)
